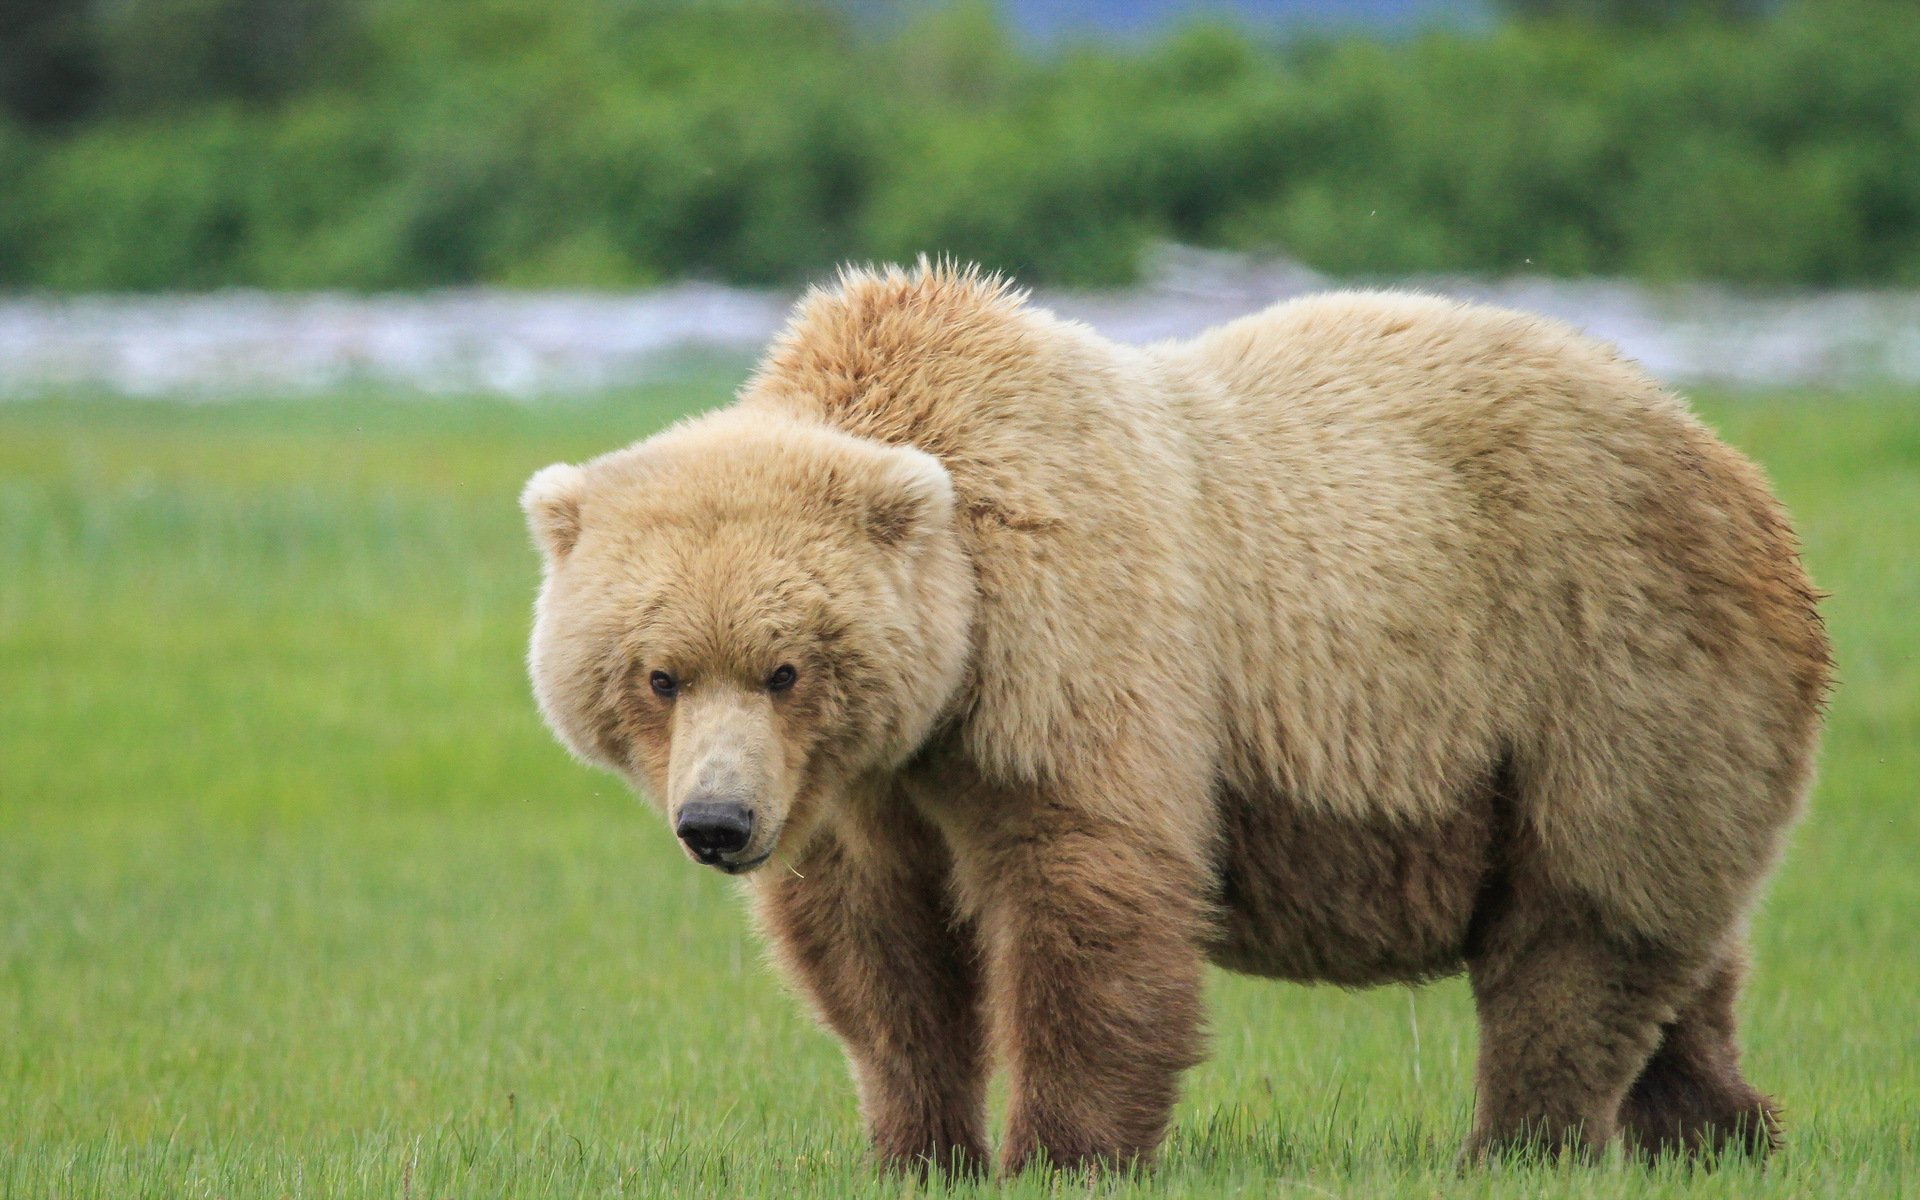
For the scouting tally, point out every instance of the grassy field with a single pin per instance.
(297, 898)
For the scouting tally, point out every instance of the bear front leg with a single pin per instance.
(1092, 929)
(863, 924)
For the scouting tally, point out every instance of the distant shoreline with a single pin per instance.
(530, 344)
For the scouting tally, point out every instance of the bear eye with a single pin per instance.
(664, 684)
(782, 678)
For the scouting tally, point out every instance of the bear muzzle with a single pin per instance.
(715, 831)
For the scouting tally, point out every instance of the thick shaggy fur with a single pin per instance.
(1366, 639)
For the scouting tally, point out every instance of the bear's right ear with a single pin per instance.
(551, 501)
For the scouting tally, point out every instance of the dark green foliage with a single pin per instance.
(1638, 12)
(49, 65)
(61, 60)
(171, 54)
(405, 143)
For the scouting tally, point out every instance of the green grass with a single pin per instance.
(297, 898)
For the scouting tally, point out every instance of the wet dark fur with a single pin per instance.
(1288, 877)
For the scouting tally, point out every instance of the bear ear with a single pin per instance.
(914, 494)
(551, 501)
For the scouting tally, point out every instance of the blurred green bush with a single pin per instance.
(370, 144)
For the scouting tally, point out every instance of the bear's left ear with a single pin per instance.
(913, 494)
(551, 501)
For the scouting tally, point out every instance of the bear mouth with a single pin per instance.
(743, 866)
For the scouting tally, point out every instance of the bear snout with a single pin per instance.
(713, 828)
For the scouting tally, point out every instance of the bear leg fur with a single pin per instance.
(863, 923)
(1092, 929)
(1569, 1016)
(1691, 1098)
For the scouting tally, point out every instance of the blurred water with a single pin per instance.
(530, 344)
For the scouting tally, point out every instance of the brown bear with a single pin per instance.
(1365, 639)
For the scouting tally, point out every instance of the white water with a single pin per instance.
(530, 344)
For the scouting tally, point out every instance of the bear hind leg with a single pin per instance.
(1691, 1098)
(1569, 1016)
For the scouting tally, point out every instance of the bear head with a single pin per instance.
(747, 616)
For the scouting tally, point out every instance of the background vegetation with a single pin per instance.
(373, 144)
(297, 898)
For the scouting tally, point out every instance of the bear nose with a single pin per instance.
(711, 828)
